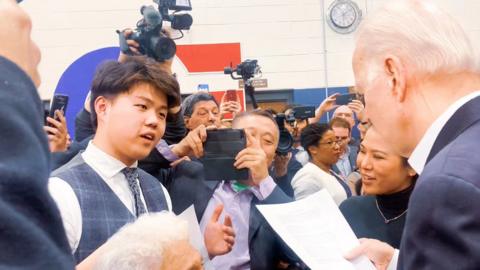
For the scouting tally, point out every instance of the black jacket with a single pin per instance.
(31, 230)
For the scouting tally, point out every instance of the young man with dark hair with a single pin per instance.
(101, 189)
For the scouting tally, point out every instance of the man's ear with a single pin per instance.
(186, 121)
(396, 76)
(101, 106)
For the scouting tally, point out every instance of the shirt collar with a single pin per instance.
(104, 163)
(419, 156)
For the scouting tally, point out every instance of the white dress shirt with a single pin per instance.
(419, 156)
(109, 169)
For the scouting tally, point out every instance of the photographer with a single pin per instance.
(256, 245)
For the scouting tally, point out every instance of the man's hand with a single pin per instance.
(57, 133)
(182, 256)
(359, 109)
(280, 164)
(376, 251)
(219, 238)
(132, 45)
(192, 144)
(17, 45)
(327, 104)
(230, 107)
(253, 158)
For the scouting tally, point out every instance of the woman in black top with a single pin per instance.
(387, 182)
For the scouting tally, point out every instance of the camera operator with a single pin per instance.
(285, 166)
(256, 246)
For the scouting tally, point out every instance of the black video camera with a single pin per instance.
(285, 141)
(148, 33)
(245, 70)
(300, 112)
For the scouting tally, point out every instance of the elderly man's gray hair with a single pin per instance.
(140, 245)
(421, 34)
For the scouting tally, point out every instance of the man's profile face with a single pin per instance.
(380, 105)
(204, 112)
(264, 130)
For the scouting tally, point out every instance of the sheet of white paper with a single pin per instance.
(315, 229)
(196, 237)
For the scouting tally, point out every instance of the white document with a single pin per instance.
(196, 237)
(315, 229)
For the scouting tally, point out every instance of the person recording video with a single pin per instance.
(256, 245)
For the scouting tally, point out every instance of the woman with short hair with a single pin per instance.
(323, 149)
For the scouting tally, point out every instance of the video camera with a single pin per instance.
(245, 70)
(286, 140)
(300, 112)
(153, 42)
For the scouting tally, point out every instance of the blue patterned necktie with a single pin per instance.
(132, 174)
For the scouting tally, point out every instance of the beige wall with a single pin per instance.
(286, 36)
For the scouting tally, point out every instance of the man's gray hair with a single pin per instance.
(188, 104)
(140, 245)
(420, 33)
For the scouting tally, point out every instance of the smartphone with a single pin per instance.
(231, 95)
(345, 99)
(59, 102)
(220, 150)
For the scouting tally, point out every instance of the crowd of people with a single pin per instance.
(108, 196)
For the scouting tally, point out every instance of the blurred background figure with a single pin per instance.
(387, 181)
(324, 151)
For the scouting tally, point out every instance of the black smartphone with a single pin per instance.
(220, 150)
(59, 102)
(345, 99)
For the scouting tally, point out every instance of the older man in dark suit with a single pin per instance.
(421, 82)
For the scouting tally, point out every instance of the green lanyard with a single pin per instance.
(238, 187)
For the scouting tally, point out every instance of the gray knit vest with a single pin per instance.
(103, 214)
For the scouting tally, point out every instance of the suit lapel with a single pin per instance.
(463, 118)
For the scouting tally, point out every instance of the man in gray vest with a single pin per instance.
(101, 189)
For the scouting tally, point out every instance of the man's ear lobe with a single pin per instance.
(396, 76)
(186, 120)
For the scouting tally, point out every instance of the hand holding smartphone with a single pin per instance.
(60, 103)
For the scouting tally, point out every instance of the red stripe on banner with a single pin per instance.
(209, 57)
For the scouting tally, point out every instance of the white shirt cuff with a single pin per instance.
(393, 263)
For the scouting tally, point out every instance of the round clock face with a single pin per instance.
(344, 16)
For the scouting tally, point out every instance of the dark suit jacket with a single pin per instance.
(31, 230)
(186, 186)
(442, 230)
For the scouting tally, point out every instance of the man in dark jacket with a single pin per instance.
(31, 231)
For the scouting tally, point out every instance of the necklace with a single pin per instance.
(387, 221)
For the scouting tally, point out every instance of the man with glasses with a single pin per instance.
(346, 164)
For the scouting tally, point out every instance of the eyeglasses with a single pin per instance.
(332, 143)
